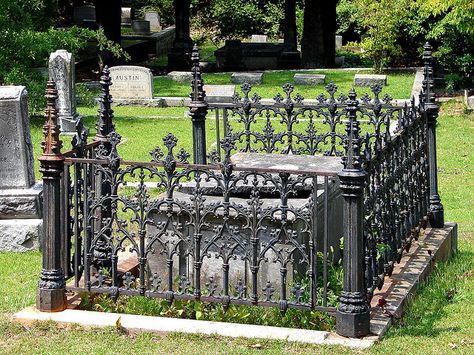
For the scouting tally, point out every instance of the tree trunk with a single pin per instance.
(317, 45)
(108, 17)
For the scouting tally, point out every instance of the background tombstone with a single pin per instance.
(154, 20)
(131, 82)
(81, 13)
(126, 18)
(20, 198)
(141, 27)
(258, 39)
(62, 71)
(338, 40)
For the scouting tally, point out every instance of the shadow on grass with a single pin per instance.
(428, 307)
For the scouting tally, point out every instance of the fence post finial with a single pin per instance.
(198, 110)
(51, 295)
(352, 316)
(431, 110)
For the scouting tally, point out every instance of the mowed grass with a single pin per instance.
(399, 85)
(438, 321)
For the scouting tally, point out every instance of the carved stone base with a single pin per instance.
(353, 325)
(51, 300)
(68, 123)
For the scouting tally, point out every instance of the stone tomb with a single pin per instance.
(370, 80)
(219, 93)
(20, 198)
(84, 13)
(131, 82)
(309, 79)
(154, 20)
(126, 19)
(62, 71)
(251, 78)
(212, 265)
(258, 39)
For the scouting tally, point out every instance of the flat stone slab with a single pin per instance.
(295, 164)
(251, 78)
(219, 93)
(180, 76)
(258, 39)
(370, 79)
(309, 79)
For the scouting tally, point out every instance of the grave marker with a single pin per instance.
(370, 79)
(338, 40)
(62, 71)
(131, 82)
(258, 39)
(309, 79)
(154, 20)
(126, 18)
(20, 210)
(81, 13)
(219, 93)
(180, 76)
(251, 78)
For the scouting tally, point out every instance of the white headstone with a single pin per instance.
(126, 16)
(219, 93)
(338, 42)
(154, 20)
(20, 199)
(62, 71)
(258, 39)
(131, 82)
(370, 79)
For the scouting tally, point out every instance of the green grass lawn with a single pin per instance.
(433, 324)
(399, 85)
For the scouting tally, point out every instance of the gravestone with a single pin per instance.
(82, 13)
(219, 93)
(369, 79)
(258, 39)
(141, 27)
(338, 40)
(339, 61)
(154, 20)
(62, 71)
(180, 76)
(20, 198)
(131, 82)
(251, 78)
(309, 79)
(126, 18)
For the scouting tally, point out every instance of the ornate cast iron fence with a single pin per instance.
(247, 228)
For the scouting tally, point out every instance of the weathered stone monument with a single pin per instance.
(251, 78)
(141, 27)
(338, 42)
(20, 198)
(309, 79)
(180, 76)
(131, 82)
(370, 79)
(154, 20)
(62, 71)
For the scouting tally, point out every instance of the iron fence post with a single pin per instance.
(51, 287)
(198, 111)
(352, 316)
(431, 111)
